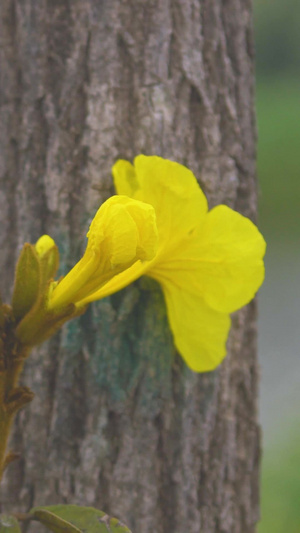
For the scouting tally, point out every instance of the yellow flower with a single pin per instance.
(209, 263)
(122, 232)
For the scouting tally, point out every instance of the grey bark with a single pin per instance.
(118, 421)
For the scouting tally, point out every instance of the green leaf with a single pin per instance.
(27, 281)
(76, 519)
(9, 524)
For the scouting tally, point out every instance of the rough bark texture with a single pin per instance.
(118, 421)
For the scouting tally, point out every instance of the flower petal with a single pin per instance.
(171, 188)
(122, 232)
(231, 251)
(200, 332)
(117, 283)
(44, 244)
(113, 234)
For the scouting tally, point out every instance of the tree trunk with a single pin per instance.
(118, 421)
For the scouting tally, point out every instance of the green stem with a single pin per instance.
(6, 420)
(12, 398)
(12, 375)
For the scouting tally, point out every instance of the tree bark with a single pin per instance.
(118, 421)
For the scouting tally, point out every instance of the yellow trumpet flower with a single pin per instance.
(209, 263)
(122, 232)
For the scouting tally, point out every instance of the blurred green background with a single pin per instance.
(277, 33)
